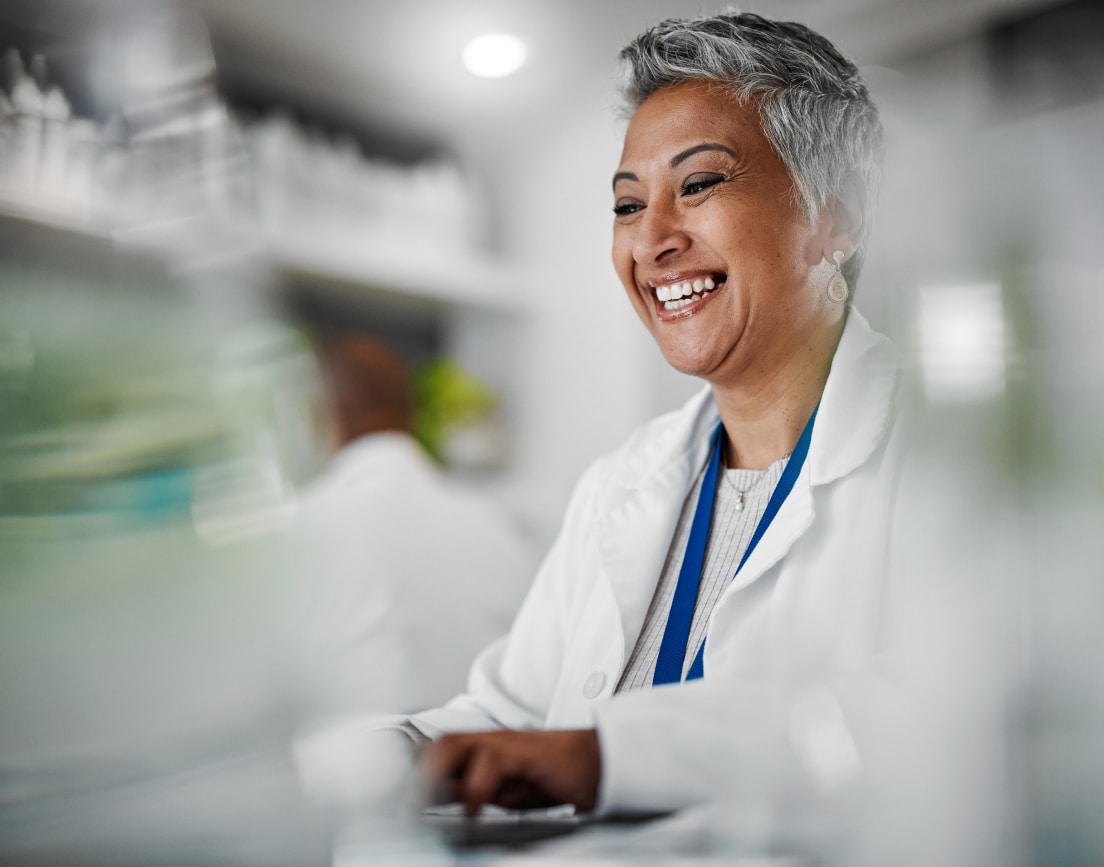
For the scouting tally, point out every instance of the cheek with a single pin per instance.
(621, 255)
(621, 249)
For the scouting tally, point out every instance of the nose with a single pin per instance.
(659, 234)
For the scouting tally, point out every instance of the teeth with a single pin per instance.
(678, 295)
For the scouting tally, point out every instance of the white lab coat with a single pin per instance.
(406, 577)
(808, 599)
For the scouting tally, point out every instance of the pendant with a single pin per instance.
(740, 501)
(837, 288)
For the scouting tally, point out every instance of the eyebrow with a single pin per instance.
(624, 176)
(680, 157)
(697, 149)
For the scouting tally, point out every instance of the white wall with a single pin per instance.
(589, 371)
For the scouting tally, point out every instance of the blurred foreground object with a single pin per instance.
(150, 446)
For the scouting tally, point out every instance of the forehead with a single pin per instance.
(686, 114)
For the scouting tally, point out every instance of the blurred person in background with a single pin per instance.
(640, 674)
(415, 574)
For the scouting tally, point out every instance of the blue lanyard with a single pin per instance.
(672, 650)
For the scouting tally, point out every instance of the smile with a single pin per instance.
(675, 296)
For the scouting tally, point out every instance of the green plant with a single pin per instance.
(446, 397)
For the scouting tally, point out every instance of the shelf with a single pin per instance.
(18, 215)
(391, 270)
(396, 270)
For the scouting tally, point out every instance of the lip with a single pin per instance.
(665, 315)
(680, 277)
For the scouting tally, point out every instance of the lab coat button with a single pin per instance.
(592, 686)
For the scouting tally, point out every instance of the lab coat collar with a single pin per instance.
(857, 406)
(660, 462)
(855, 412)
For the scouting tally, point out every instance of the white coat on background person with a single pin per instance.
(411, 574)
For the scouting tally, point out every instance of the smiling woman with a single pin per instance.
(702, 195)
(713, 555)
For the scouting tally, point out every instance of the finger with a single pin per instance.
(483, 777)
(442, 767)
(515, 794)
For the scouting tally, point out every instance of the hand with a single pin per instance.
(518, 770)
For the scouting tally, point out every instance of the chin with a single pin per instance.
(689, 365)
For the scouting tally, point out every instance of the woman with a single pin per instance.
(638, 672)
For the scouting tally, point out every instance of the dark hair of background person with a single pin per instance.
(369, 386)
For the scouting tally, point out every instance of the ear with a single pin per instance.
(847, 225)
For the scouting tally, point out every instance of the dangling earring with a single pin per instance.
(837, 286)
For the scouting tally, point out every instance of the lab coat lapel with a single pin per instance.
(857, 406)
(854, 414)
(638, 520)
(794, 517)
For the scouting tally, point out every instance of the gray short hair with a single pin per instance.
(814, 108)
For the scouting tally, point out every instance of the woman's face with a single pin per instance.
(701, 198)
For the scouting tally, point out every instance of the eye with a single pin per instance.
(699, 183)
(626, 207)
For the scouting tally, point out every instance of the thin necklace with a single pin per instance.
(742, 493)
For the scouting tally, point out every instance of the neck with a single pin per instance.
(765, 411)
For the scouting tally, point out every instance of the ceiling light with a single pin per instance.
(493, 55)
